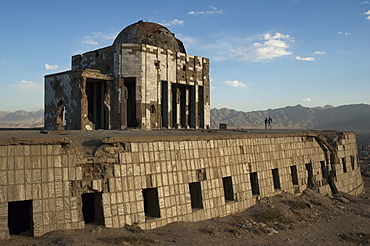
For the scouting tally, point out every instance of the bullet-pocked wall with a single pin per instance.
(49, 184)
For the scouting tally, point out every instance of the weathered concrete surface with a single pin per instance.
(145, 80)
(153, 178)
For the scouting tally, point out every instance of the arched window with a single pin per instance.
(152, 109)
(60, 116)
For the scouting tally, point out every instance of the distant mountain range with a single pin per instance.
(22, 119)
(354, 117)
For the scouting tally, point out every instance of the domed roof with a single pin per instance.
(150, 33)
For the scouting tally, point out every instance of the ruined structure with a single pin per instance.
(52, 180)
(144, 80)
(66, 179)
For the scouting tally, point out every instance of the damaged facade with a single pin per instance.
(52, 182)
(144, 80)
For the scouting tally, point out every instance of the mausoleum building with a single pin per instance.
(144, 80)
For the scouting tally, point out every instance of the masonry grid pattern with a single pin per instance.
(54, 177)
(41, 173)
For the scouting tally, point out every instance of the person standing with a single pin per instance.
(266, 123)
(269, 120)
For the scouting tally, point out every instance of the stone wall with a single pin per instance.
(151, 65)
(153, 181)
(42, 174)
(66, 97)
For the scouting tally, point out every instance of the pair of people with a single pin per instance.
(268, 123)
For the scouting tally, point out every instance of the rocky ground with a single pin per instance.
(285, 219)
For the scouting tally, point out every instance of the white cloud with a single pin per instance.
(365, 2)
(306, 99)
(213, 88)
(97, 38)
(172, 22)
(51, 67)
(368, 15)
(344, 33)
(187, 40)
(104, 36)
(319, 53)
(90, 42)
(298, 58)
(235, 83)
(252, 48)
(28, 87)
(210, 12)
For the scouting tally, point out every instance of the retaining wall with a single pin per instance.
(153, 181)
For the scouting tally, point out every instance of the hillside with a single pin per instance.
(22, 119)
(347, 117)
(354, 117)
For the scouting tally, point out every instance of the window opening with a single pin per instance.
(352, 162)
(60, 116)
(151, 204)
(344, 165)
(20, 218)
(294, 174)
(201, 106)
(254, 183)
(324, 172)
(183, 106)
(196, 195)
(92, 208)
(310, 182)
(130, 84)
(192, 107)
(276, 178)
(228, 189)
(164, 103)
(95, 91)
(175, 97)
(152, 109)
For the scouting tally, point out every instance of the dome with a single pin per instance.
(150, 33)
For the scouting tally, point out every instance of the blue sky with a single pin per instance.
(264, 53)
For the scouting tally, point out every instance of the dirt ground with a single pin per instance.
(285, 219)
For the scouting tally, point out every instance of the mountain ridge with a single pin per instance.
(354, 117)
(22, 119)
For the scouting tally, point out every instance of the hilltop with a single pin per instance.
(22, 119)
(354, 117)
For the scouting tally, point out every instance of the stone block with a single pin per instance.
(38, 228)
(50, 160)
(3, 163)
(20, 192)
(71, 173)
(79, 173)
(97, 185)
(3, 151)
(75, 217)
(3, 193)
(59, 189)
(57, 161)
(19, 176)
